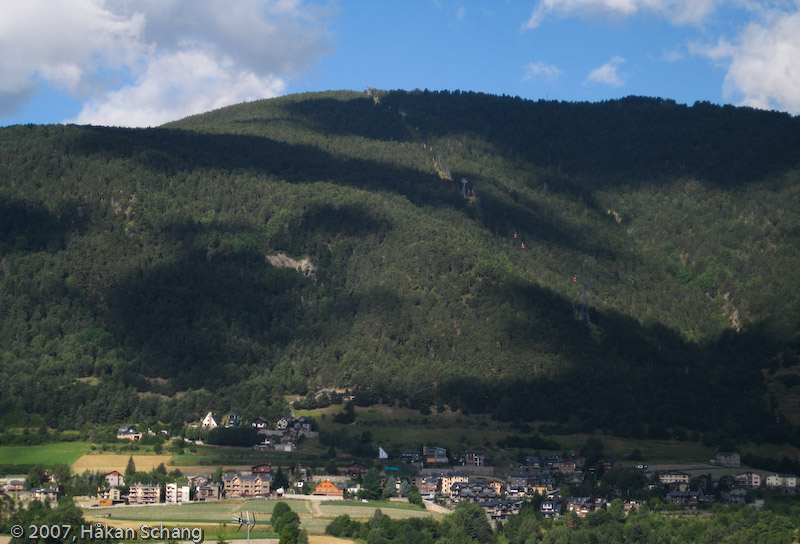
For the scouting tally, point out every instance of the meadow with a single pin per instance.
(46, 454)
(217, 516)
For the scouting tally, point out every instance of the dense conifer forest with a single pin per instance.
(323, 240)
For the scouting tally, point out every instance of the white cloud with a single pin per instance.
(763, 68)
(460, 13)
(143, 62)
(63, 43)
(607, 74)
(541, 70)
(178, 85)
(677, 11)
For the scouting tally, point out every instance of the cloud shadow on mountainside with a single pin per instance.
(171, 151)
(619, 373)
(27, 226)
(219, 309)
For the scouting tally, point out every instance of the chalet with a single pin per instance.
(15, 485)
(262, 468)
(749, 479)
(474, 492)
(210, 421)
(527, 485)
(260, 423)
(303, 424)
(282, 424)
(355, 470)
(689, 499)
(551, 508)
(144, 494)
(500, 509)
(580, 505)
(128, 432)
(207, 492)
(574, 478)
(736, 495)
(114, 479)
(434, 455)
(234, 420)
(728, 459)
(532, 462)
(788, 481)
(198, 480)
(328, 488)
(496, 485)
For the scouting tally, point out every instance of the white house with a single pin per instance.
(177, 493)
(114, 479)
(782, 480)
(728, 459)
(210, 421)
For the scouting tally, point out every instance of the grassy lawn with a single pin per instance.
(212, 515)
(364, 511)
(395, 505)
(235, 457)
(46, 454)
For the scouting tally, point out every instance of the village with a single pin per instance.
(434, 477)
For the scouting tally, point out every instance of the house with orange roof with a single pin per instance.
(327, 487)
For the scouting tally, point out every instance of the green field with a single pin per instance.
(212, 515)
(225, 457)
(46, 454)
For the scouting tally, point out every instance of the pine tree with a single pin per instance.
(130, 469)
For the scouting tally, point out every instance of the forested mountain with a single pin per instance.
(155, 273)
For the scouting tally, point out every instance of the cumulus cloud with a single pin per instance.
(143, 62)
(63, 43)
(607, 74)
(678, 11)
(541, 70)
(763, 71)
(177, 85)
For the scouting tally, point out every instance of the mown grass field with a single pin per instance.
(212, 515)
(45, 454)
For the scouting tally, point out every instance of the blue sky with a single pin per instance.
(146, 62)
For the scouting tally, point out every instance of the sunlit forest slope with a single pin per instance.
(327, 240)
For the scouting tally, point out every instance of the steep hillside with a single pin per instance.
(319, 240)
